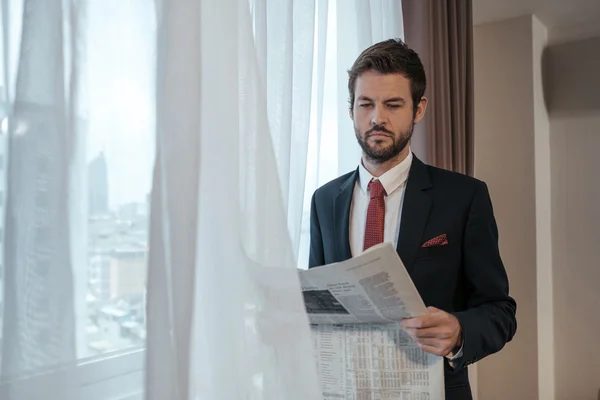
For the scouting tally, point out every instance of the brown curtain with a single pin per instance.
(441, 31)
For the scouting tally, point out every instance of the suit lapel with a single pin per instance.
(415, 211)
(341, 212)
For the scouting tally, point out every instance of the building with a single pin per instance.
(117, 270)
(99, 276)
(127, 272)
(98, 186)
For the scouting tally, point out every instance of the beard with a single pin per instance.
(379, 154)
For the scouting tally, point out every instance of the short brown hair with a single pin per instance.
(392, 56)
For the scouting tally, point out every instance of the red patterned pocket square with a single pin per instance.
(440, 240)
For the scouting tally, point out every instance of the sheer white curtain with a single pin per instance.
(343, 30)
(232, 172)
(244, 100)
(225, 316)
(42, 184)
(77, 102)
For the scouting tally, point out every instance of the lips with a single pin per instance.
(378, 135)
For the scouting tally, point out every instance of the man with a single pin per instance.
(441, 222)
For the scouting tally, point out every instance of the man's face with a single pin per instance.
(383, 115)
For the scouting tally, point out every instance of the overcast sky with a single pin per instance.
(120, 88)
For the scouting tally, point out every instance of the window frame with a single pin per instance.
(119, 375)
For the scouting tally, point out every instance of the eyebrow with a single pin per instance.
(391, 100)
(395, 99)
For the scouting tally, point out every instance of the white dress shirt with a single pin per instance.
(394, 183)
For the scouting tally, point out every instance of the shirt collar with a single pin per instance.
(391, 180)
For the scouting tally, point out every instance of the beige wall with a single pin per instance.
(576, 212)
(537, 138)
(574, 101)
(504, 158)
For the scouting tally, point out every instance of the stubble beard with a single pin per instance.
(380, 155)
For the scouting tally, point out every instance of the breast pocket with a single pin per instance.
(435, 252)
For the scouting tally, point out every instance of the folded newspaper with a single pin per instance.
(362, 353)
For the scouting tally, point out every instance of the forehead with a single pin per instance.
(379, 86)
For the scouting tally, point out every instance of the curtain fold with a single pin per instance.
(174, 203)
(442, 33)
(222, 261)
(285, 42)
(42, 204)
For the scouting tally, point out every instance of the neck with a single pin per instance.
(379, 168)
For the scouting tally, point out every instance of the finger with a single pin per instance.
(433, 309)
(440, 332)
(423, 321)
(443, 345)
(431, 349)
(431, 342)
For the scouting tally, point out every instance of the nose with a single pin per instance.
(378, 117)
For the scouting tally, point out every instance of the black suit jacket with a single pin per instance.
(466, 277)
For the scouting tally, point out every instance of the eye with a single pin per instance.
(394, 105)
(365, 105)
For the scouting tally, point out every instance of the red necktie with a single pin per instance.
(375, 215)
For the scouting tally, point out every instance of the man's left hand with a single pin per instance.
(436, 332)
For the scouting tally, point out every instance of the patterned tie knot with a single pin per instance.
(376, 189)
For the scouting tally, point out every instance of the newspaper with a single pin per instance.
(362, 353)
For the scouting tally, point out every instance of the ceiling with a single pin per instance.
(565, 20)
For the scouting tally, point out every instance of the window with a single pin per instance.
(117, 120)
(321, 165)
(119, 125)
(336, 151)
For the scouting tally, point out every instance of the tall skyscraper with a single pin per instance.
(98, 186)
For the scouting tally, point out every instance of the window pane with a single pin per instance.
(120, 122)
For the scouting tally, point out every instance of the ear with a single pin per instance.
(351, 113)
(421, 108)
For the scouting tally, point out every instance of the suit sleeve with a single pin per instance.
(489, 321)
(316, 257)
